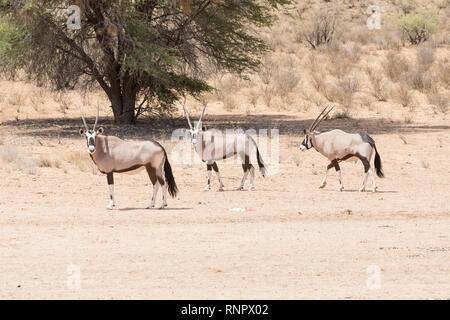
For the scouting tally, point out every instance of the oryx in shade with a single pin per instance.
(211, 145)
(338, 146)
(112, 154)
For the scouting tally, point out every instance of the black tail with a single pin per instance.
(377, 163)
(172, 186)
(260, 163)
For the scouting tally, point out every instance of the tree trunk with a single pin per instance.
(123, 100)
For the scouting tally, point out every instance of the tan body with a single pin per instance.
(112, 154)
(212, 145)
(337, 145)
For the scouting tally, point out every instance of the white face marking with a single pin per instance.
(194, 133)
(90, 137)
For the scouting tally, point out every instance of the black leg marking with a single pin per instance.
(110, 178)
(246, 165)
(215, 167)
(151, 173)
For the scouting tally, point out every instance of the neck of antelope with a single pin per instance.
(99, 152)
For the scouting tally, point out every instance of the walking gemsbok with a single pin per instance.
(211, 146)
(338, 146)
(112, 154)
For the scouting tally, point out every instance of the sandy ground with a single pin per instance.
(293, 240)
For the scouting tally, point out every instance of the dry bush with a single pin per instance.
(439, 101)
(425, 56)
(229, 102)
(404, 95)
(268, 92)
(267, 69)
(407, 6)
(45, 162)
(63, 101)
(444, 75)
(420, 80)
(395, 66)
(80, 160)
(16, 99)
(225, 85)
(347, 87)
(285, 81)
(380, 88)
(10, 154)
(319, 30)
(253, 96)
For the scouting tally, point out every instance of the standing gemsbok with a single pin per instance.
(211, 146)
(112, 154)
(338, 146)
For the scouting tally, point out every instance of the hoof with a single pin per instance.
(220, 189)
(109, 208)
(362, 189)
(374, 190)
(163, 206)
(251, 188)
(322, 185)
(340, 189)
(206, 188)
(239, 188)
(150, 207)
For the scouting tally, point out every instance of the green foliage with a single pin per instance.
(145, 54)
(419, 27)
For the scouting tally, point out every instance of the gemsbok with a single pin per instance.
(338, 146)
(211, 146)
(114, 155)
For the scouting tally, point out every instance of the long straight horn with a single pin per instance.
(187, 114)
(96, 117)
(315, 121)
(323, 117)
(201, 117)
(82, 117)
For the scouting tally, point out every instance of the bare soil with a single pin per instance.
(293, 240)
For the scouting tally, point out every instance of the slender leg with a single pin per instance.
(152, 175)
(216, 169)
(246, 170)
(366, 172)
(110, 178)
(374, 186)
(209, 171)
(163, 184)
(155, 193)
(252, 178)
(338, 171)
(324, 180)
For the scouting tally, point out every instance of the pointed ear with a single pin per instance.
(100, 130)
(82, 131)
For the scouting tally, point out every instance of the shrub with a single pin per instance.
(320, 29)
(379, 86)
(425, 57)
(439, 101)
(395, 66)
(420, 26)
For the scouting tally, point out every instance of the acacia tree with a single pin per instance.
(145, 54)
